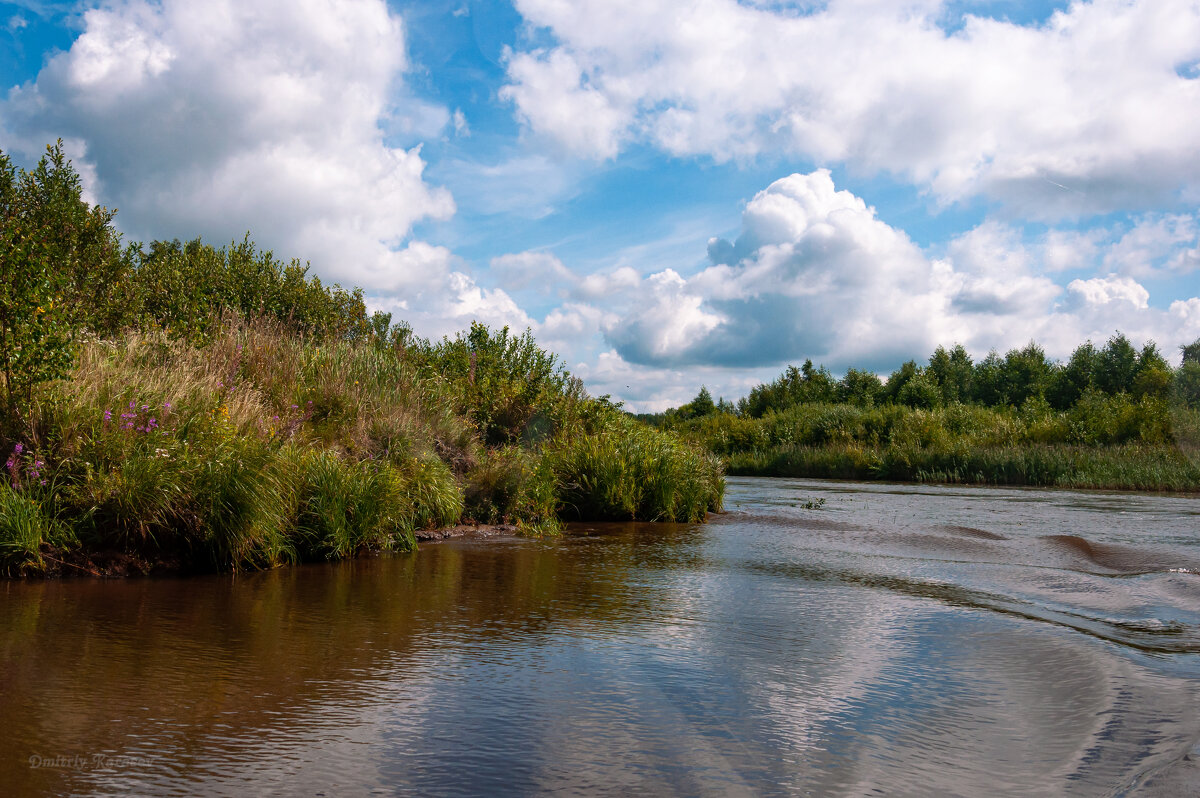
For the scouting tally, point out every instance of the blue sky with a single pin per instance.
(668, 194)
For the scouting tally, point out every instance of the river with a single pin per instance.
(818, 638)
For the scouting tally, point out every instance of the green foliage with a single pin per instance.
(505, 486)
(25, 528)
(988, 381)
(515, 391)
(1031, 445)
(962, 421)
(1191, 352)
(35, 331)
(261, 448)
(921, 391)
(794, 386)
(860, 388)
(1116, 366)
(953, 372)
(631, 472)
(1074, 379)
(186, 288)
(228, 410)
(1026, 374)
(1187, 384)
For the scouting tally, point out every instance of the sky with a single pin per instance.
(669, 194)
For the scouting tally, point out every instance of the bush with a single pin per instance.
(630, 472)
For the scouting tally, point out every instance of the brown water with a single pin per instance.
(896, 641)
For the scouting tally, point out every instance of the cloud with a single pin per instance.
(543, 273)
(538, 270)
(1155, 244)
(214, 117)
(1089, 112)
(815, 273)
(553, 96)
(1101, 291)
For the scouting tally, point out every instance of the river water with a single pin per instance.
(818, 638)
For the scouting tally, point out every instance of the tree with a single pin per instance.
(1191, 352)
(1025, 375)
(795, 386)
(1153, 377)
(35, 329)
(860, 388)
(702, 405)
(1187, 383)
(920, 392)
(1069, 383)
(987, 381)
(952, 373)
(898, 379)
(1117, 366)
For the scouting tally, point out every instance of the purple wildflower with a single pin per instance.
(107, 416)
(18, 448)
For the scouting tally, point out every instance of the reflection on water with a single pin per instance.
(897, 640)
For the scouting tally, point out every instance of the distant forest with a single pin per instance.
(1110, 417)
(1021, 376)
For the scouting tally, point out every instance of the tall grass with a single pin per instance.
(262, 448)
(1102, 442)
(632, 472)
(25, 530)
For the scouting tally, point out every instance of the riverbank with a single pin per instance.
(118, 564)
(1116, 442)
(195, 408)
(262, 447)
(1131, 467)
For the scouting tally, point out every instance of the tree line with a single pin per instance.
(951, 376)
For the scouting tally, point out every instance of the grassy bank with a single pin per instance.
(210, 408)
(262, 448)
(1120, 442)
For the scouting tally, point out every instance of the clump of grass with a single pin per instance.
(509, 483)
(631, 472)
(25, 528)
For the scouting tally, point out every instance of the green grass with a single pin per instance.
(25, 528)
(1102, 442)
(632, 472)
(261, 448)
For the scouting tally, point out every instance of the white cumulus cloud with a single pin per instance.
(815, 273)
(1091, 111)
